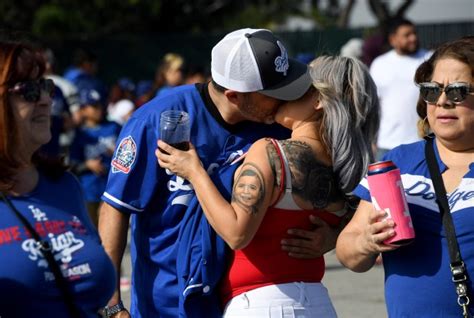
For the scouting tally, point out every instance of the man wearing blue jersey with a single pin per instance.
(251, 76)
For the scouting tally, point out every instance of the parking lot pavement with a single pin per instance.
(355, 295)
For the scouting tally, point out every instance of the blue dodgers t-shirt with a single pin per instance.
(157, 198)
(417, 276)
(27, 286)
(94, 143)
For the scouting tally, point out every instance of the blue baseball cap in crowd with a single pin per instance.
(126, 84)
(305, 57)
(89, 97)
(143, 87)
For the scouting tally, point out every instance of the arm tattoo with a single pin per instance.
(311, 180)
(274, 161)
(249, 190)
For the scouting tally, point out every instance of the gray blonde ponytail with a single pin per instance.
(351, 115)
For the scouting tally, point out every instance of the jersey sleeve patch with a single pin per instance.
(124, 156)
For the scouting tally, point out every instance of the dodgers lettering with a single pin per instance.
(425, 190)
(421, 189)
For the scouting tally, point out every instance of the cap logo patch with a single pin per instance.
(281, 62)
(124, 156)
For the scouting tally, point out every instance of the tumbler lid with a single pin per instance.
(381, 167)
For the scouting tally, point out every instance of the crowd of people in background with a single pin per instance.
(392, 71)
(87, 114)
(91, 123)
(394, 57)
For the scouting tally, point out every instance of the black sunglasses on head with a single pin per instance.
(455, 92)
(31, 90)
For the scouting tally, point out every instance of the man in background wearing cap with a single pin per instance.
(251, 76)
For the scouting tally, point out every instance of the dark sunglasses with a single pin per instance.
(455, 92)
(31, 90)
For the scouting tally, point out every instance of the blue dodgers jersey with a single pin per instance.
(56, 210)
(157, 198)
(417, 276)
(94, 143)
(202, 255)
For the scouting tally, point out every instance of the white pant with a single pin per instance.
(292, 300)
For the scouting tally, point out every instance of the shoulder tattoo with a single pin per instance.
(311, 180)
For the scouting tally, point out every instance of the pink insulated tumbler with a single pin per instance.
(386, 190)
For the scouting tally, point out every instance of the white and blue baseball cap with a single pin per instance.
(89, 97)
(254, 60)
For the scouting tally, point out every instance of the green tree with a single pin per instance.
(60, 19)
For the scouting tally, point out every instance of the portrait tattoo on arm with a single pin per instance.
(249, 190)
